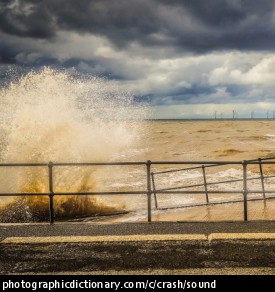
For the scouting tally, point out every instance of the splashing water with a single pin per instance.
(55, 116)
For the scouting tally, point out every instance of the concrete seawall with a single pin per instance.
(138, 248)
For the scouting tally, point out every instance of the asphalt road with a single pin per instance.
(87, 257)
(144, 256)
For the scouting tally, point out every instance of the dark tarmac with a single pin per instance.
(138, 248)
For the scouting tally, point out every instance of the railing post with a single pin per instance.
(245, 189)
(51, 192)
(262, 176)
(149, 191)
(154, 190)
(205, 183)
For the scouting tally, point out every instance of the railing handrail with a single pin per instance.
(73, 164)
(215, 183)
(198, 162)
(212, 164)
(206, 164)
(151, 182)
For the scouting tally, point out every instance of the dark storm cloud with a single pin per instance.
(195, 26)
(168, 52)
(187, 96)
(6, 54)
(22, 18)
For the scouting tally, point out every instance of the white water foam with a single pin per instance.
(52, 115)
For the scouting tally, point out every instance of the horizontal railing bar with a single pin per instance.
(212, 192)
(132, 193)
(261, 159)
(262, 162)
(206, 163)
(22, 194)
(182, 169)
(260, 192)
(188, 168)
(218, 163)
(197, 162)
(199, 192)
(98, 163)
(72, 164)
(73, 194)
(183, 187)
(175, 170)
(213, 183)
(100, 193)
(270, 176)
(202, 163)
(23, 164)
(214, 203)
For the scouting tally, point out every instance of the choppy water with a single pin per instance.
(200, 141)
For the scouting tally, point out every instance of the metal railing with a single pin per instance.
(205, 184)
(150, 181)
(52, 193)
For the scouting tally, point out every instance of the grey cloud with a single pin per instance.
(185, 96)
(195, 26)
(7, 54)
(141, 38)
(26, 19)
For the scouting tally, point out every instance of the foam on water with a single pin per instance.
(175, 202)
(270, 137)
(52, 115)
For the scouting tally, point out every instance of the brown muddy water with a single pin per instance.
(207, 141)
(166, 141)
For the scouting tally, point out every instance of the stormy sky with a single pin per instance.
(188, 58)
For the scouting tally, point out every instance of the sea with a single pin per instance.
(52, 116)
